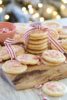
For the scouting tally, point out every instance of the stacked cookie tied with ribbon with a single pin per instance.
(38, 41)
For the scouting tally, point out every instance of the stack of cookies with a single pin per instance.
(38, 42)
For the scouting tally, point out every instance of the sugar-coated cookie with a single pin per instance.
(49, 63)
(54, 34)
(53, 56)
(54, 88)
(35, 51)
(38, 42)
(37, 47)
(4, 55)
(63, 33)
(13, 67)
(63, 43)
(28, 59)
(37, 35)
(54, 25)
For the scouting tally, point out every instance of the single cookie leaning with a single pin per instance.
(13, 67)
(28, 59)
(53, 56)
(54, 88)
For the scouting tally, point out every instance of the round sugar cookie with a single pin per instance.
(35, 51)
(54, 88)
(4, 54)
(37, 47)
(18, 49)
(28, 59)
(64, 43)
(63, 33)
(54, 25)
(54, 34)
(49, 63)
(53, 56)
(37, 35)
(52, 46)
(13, 67)
(38, 42)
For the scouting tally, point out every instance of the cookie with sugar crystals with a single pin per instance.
(54, 88)
(28, 59)
(63, 33)
(38, 42)
(49, 63)
(35, 51)
(13, 67)
(38, 35)
(37, 47)
(53, 56)
(54, 25)
(4, 55)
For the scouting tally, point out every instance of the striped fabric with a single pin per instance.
(8, 42)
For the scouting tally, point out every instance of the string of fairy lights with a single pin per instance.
(41, 12)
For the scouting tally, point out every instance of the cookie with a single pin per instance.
(54, 88)
(38, 42)
(13, 67)
(38, 35)
(52, 46)
(18, 49)
(4, 55)
(35, 51)
(37, 47)
(28, 59)
(63, 33)
(53, 56)
(54, 25)
(49, 63)
(54, 34)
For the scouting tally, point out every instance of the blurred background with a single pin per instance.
(32, 10)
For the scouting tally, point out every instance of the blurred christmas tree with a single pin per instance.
(32, 10)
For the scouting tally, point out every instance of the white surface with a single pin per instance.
(8, 93)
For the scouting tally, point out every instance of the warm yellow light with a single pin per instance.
(58, 17)
(40, 5)
(1, 2)
(23, 9)
(62, 7)
(36, 15)
(29, 6)
(1, 9)
(64, 1)
(41, 19)
(26, 12)
(55, 13)
(49, 10)
(6, 17)
(31, 11)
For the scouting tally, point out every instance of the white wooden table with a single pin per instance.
(8, 93)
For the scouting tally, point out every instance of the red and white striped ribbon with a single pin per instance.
(55, 42)
(8, 42)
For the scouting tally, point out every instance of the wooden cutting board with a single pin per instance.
(39, 74)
